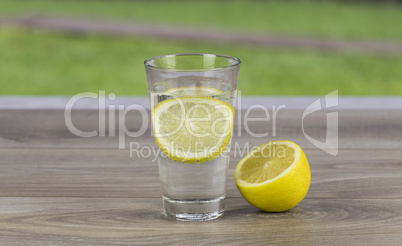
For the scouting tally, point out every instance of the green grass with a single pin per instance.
(43, 63)
(301, 18)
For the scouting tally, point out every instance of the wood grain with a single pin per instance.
(100, 221)
(112, 173)
(358, 129)
(60, 189)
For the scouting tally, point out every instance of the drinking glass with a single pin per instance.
(181, 88)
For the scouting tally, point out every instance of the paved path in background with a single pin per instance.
(108, 27)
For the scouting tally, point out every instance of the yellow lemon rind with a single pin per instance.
(281, 193)
(297, 149)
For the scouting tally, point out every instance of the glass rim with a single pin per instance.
(235, 64)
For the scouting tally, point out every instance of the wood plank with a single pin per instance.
(100, 221)
(112, 173)
(59, 189)
(294, 102)
(358, 129)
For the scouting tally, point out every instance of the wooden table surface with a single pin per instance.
(60, 189)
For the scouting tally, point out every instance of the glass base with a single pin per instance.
(193, 210)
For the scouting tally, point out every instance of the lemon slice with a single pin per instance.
(192, 129)
(193, 91)
(274, 177)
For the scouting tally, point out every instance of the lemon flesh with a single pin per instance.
(274, 177)
(193, 129)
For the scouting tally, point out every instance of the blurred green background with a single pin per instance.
(39, 62)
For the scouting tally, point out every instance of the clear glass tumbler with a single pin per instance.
(192, 99)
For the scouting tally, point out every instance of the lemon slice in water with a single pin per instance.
(192, 129)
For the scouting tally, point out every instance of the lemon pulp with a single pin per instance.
(274, 177)
(192, 129)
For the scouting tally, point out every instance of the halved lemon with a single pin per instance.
(193, 129)
(274, 177)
